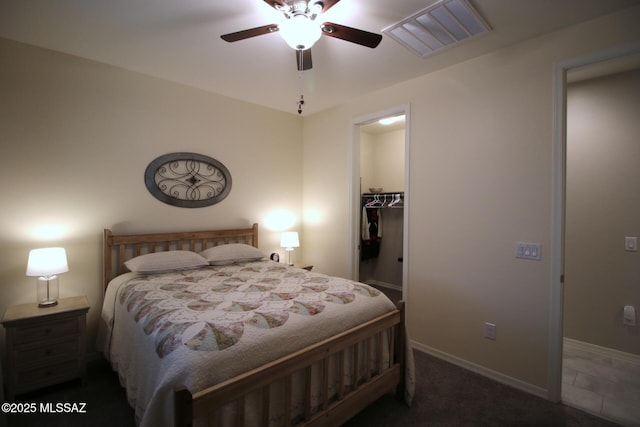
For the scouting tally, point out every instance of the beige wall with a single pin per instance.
(480, 180)
(603, 205)
(382, 160)
(76, 137)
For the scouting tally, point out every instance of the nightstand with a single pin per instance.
(303, 266)
(45, 346)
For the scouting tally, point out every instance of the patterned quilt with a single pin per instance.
(199, 327)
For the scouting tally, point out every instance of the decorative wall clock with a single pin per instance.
(188, 180)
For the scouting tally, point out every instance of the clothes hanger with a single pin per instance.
(374, 203)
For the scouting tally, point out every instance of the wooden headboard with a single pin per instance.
(117, 249)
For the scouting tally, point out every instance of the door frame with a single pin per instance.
(559, 147)
(354, 189)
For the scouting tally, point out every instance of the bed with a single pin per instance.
(238, 339)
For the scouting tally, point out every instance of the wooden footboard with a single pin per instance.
(334, 409)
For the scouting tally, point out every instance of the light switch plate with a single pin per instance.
(631, 244)
(528, 251)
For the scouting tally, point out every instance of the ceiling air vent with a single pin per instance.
(441, 25)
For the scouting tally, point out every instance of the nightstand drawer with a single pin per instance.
(32, 378)
(25, 355)
(50, 330)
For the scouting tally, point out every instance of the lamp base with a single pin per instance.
(47, 291)
(290, 252)
(49, 303)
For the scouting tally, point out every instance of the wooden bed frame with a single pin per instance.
(334, 410)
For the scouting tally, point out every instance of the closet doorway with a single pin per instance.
(380, 200)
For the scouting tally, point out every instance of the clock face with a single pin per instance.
(187, 180)
(275, 257)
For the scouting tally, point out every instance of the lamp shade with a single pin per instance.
(289, 240)
(300, 32)
(47, 262)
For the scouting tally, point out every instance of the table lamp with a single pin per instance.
(289, 240)
(46, 264)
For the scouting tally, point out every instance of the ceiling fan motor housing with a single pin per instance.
(301, 7)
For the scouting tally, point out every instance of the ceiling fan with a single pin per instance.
(301, 30)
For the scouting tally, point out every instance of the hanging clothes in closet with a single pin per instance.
(371, 232)
(371, 225)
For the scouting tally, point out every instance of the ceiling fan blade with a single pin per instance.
(252, 32)
(274, 3)
(303, 59)
(353, 35)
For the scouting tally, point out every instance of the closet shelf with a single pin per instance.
(390, 193)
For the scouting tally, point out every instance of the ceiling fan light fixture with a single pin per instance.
(300, 32)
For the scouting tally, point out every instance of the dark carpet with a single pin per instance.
(446, 395)
(106, 402)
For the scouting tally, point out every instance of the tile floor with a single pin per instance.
(600, 384)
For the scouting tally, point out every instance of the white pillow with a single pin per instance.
(158, 262)
(231, 253)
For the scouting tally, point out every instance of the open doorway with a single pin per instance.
(382, 166)
(601, 355)
(380, 200)
(575, 383)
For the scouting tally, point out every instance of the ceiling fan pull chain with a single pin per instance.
(300, 72)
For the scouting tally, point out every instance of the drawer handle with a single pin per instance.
(47, 331)
(49, 352)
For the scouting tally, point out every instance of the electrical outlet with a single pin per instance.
(490, 331)
(629, 315)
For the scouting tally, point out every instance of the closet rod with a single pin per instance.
(383, 200)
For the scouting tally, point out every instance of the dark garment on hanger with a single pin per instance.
(371, 248)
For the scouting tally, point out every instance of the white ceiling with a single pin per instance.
(179, 40)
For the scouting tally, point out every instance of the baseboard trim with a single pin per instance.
(485, 372)
(602, 351)
(384, 285)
